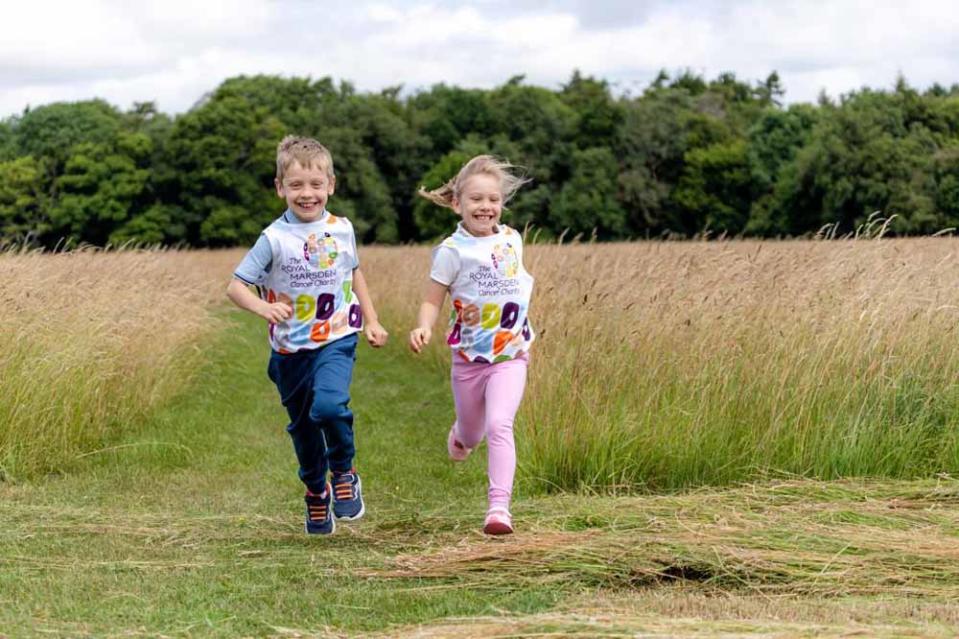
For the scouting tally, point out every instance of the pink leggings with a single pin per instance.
(487, 397)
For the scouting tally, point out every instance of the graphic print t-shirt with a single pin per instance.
(490, 292)
(312, 271)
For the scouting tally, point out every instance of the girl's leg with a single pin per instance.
(504, 391)
(469, 388)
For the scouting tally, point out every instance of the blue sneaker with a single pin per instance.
(347, 496)
(319, 517)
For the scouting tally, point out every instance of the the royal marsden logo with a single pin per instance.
(504, 260)
(320, 253)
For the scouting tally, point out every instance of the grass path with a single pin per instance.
(191, 526)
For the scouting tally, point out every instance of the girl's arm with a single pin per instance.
(376, 335)
(429, 311)
(241, 295)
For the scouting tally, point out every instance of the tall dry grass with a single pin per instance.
(90, 341)
(665, 365)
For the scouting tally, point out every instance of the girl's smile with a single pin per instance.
(480, 204)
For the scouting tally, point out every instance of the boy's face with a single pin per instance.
(306, 190)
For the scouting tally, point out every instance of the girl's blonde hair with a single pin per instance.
(481, 164)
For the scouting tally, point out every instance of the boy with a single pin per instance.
(314, 296)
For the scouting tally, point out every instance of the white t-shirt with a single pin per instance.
(312, 271)
(490, 291)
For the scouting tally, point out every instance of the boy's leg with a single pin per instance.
(331, 398)
(293, 376)
(504, 391)
(331, 409)
(469, 387)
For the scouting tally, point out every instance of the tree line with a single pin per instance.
(686, 156)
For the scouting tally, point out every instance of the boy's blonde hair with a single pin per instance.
(307, 152)
(481, 164)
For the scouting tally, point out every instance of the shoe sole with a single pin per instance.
(318, 532)
(460, 454)
(497, 528)
(359, 487)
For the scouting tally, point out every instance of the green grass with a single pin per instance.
(191, 525)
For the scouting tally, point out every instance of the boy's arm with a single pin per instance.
(429, 312)
(240, 294)
(376, 335)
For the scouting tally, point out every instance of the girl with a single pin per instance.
(481, 266)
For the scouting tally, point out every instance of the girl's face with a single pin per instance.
(480, 203)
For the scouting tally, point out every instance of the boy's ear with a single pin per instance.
(332, 184)
(279, 187)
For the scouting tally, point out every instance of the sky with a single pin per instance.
(172, 52)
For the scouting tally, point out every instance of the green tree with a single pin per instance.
(774, 142)
(872, 152)
(21, 199)
(597, 115)
(101, 186)
(222, 160)
(715, 190)
(8, 150)
(446, 115)
(588, 201)
(51, 131)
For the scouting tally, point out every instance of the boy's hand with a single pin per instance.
(276, 312)
(376, 335)
(420, 337)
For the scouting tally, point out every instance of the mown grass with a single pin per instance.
(192, 525)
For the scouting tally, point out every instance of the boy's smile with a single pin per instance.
(306, 190)
(480, 204)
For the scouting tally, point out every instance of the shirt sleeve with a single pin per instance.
(356, 254)
(257, 262)
(446, 265)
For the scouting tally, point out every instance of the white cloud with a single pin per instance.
(174, 51)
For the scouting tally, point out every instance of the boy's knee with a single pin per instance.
(326, 408)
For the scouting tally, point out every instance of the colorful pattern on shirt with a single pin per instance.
(312, 271)
(490, 295)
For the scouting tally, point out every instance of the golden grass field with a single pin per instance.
(91, 341)
(657, 364)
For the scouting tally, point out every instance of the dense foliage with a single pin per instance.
(687, 156)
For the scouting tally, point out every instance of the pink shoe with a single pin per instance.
(457, 451)
(498, 521)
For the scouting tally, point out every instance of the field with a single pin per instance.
(719, 439)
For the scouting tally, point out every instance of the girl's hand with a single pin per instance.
(420, 337)
(376, 335)
(276, 312)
